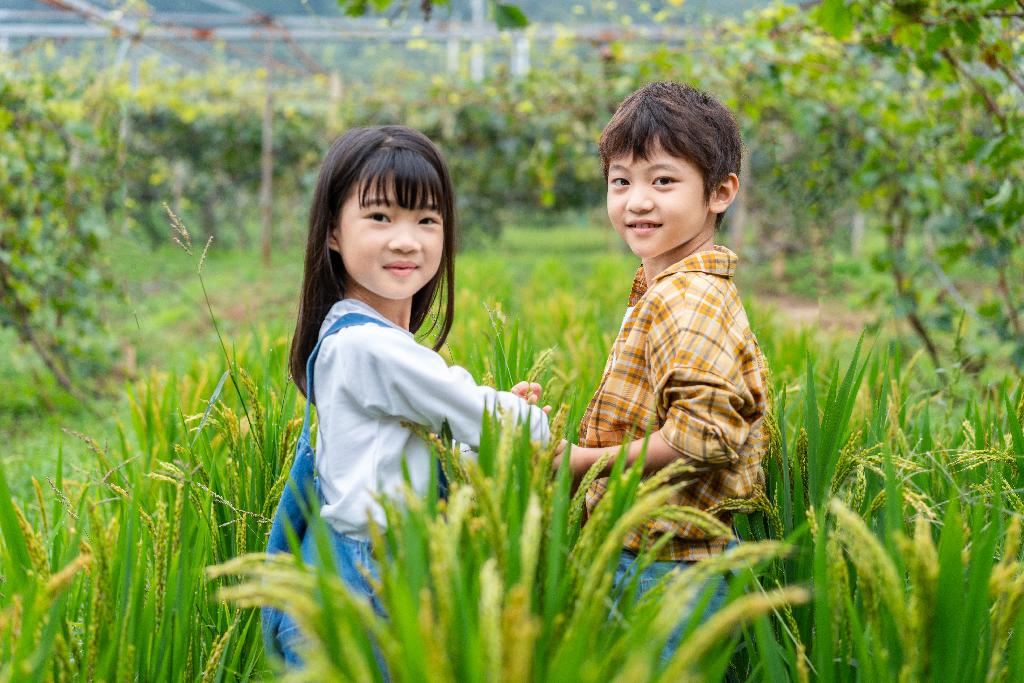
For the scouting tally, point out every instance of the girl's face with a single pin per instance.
(389, 252)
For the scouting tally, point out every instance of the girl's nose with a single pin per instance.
(404, 240)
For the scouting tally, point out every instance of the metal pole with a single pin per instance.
(476, 57)
(453, 55)
(521, 56)
(334, 120)
(267, 162)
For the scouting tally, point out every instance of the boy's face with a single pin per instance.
(657, 206)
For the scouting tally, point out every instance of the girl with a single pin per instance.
(379, 265)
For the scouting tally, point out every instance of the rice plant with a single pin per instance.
(885, 545)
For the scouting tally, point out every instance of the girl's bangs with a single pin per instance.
(402, 176)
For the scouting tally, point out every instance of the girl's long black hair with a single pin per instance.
(393, 161)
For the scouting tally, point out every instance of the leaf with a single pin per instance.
(17, 548)
(969, 30)
(937, 38)
(508, 16)
(1002, 196)
(353, 8)
(210, 404)
(835, 18)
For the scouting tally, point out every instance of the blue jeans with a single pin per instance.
(655, 572)
(350, 556)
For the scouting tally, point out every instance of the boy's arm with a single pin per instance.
(701, 426)
(704, 417)
(659, 454)
(695, 369)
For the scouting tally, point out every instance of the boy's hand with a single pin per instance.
(529, 392)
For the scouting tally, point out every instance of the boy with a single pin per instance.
(685, 365)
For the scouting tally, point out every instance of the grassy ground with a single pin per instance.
(162, 324)
(892, 487)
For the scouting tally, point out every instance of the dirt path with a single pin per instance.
(830, 316)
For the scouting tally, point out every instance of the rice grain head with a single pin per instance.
(838, 588)
(720, 625)
(61, 579)
(520, 629)
(922, 562)
(491, 586)
(36, 550)
(877, 576)
(801, 459)
(213, 661)
(256, 405)
(530, 542)
(1006, 590)
(42, 507)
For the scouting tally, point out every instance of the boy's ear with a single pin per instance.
(724, 194)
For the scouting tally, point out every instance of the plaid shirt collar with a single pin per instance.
(718, 261)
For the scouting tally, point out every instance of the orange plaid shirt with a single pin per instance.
(685, 362)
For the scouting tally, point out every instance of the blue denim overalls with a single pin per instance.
(300, 495)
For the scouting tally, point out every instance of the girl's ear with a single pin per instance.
(724, 194)
(334, 240)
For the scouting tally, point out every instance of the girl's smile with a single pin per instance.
(401, 268)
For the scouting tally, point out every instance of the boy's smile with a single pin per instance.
(657, 206)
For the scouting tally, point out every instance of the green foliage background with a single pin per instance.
(894, 473)
(905, 120)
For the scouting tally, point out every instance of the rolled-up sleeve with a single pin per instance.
(701, 417)
(705, 415)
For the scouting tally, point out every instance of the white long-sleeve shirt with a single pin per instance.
(367, 380)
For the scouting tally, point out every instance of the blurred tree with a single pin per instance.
(57, 163)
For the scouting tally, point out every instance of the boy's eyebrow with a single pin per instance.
(662, 167)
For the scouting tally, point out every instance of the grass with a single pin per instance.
(887, 536)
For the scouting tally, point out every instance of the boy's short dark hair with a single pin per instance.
(686, 122)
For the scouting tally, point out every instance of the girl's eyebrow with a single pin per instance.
(376, 201)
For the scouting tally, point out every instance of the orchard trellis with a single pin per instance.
(847, 107)
(283, 44)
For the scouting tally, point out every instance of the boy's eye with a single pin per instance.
(619, 182)
(663, 180)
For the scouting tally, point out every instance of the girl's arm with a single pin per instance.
(388, 374)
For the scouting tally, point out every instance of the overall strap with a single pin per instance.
(347, 320)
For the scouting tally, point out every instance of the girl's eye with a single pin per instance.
(379, 217)
(429, 220)
(663, 180)
(619, 182)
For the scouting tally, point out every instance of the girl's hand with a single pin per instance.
(529, 392)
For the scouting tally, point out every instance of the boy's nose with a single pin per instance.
(639, 202)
